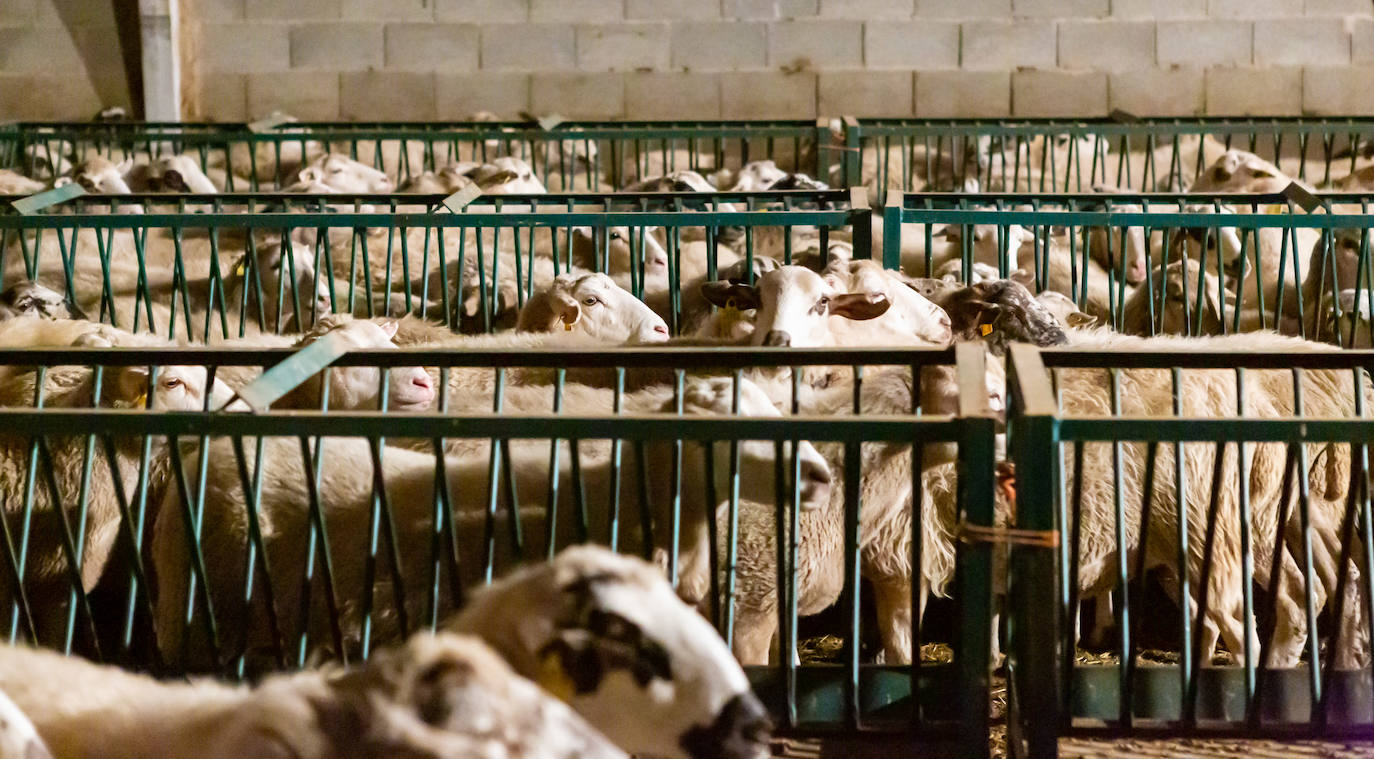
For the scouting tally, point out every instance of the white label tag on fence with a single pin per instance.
(460, 200)
(268, 123)
(38, 201)
(1299, 195)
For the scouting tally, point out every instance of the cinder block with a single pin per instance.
(622, 47)
(1302, 42)
(672, 95)
(1159, 9)
(1158, 92)
(1338, 90)
(207, 10)
(432, 47)
(867, 10)
(224, 97)
(767, 95)
(1107, 45)
(245, 47)
(458, 96)
(577, 11)
(865, 93)
(583, 95)
(482, 11)
(1058, 93)
(48, 97)
(962, 9)
(1337, 8)
(1204, 43)
(768, 9)
(387, 96)
(297, 10)
(910, 45)
(721, 46)
(68, 14)
(1250, 8)
(963, 94)
(671, 10)
(823, 43)
(308, 95)
(1362, 40)
(527, 47)
(353, 46)
(1060, 8)
(1253, 91)
(391, 10)
(30, 50)
(1003, 45)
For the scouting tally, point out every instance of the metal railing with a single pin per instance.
(1236, 480)
(373, 255)
(233, 596)
(1158, 263)
(568, 156)
(1073, 155)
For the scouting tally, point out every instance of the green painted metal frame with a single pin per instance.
(708, 143)
(274, 215)
(1162, 216)
(852, 701)
(1274, 139)
(1051, 695)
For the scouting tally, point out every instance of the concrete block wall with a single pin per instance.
(662, 59)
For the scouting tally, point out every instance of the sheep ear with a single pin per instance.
(569, 311)
(390, 327)
(309, 174)
(1263, 174)
(859, 306)
(1080, 319)
(723, 294)
(1022, 277)
(499, 178)
(131, 384)
(172, 179)
(948, 231)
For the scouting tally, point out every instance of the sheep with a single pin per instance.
(14, 183)
(346, 497)
(278, 293)
(1080, 277)
(1179, 309)
(19, 739)
(28, 298)
(612, 314)
(47, 580)
(574, 622)
(797, 307)
(1239, 171)
(339, 173)
(174, 173)
(102, 176)
(1213, 393)
(999, 311)
(438, 695)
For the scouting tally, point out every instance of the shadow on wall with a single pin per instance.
(106, 36)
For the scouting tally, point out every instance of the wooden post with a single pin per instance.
(161, 60)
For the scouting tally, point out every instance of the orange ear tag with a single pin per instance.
(986, 329)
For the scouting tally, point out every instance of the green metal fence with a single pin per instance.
(1073, 155)
(1157, 263)
(114, 612)
(568, 155)
(1131, 465)
(171, 267)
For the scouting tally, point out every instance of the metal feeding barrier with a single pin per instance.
(212, 265)
(421, 547)
(1074, 155)
(565, 155)
(1258, 512)
(1160, 263)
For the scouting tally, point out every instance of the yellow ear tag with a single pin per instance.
(553, 679)
(730, 315)
(567, 327)
(141, 400)
(241, 269)
(986, 329)
(1275, 208)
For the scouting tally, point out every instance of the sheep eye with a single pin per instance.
(615, 236)
(171, 382)
(589, 301)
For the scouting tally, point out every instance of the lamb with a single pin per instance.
(574, 622)
(612, 314)
(439, 695)
(346, 496)
(1179, 309)
(28, 298)
(339, 173)
(1239, 171)
(1081, 278)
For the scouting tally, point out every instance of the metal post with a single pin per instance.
(161, 59)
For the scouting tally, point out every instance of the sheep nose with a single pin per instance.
(660, 329)
(741, 730)
(777, 338)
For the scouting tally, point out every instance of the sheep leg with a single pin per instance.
(893, 600)
(755, 633)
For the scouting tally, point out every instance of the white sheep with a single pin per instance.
(438, 695)
(606, 633)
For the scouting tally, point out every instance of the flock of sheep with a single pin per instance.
(568, 625)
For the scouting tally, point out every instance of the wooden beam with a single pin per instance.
(161, 59)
